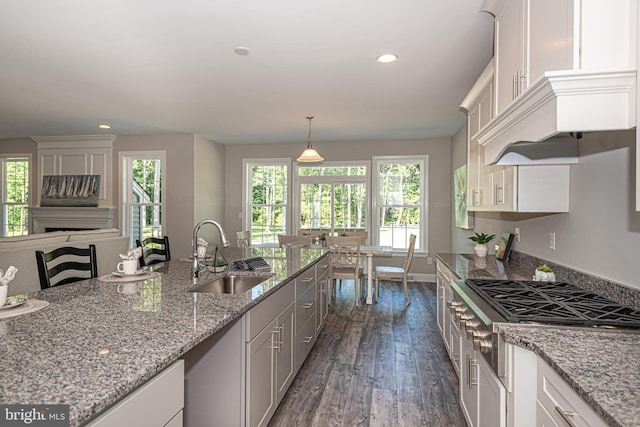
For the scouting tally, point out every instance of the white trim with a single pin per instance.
(275, 161)
(297, 180)
(124, 183)
(424, 195)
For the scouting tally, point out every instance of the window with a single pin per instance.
(15, 196)
(266, 199)
(400, 187)
(142, 185)
(333, 197)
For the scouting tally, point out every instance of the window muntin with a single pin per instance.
(143, 201)
(15, 196)
(400, 190)
(266, 199)
(332, 197)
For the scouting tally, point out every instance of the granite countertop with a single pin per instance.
(601, 366)
(58, 355)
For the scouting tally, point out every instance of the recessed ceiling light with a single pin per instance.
(104, 126)
(241, 50)
(386, 58)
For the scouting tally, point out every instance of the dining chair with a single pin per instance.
(286, 241)
(344, 263)
(70, 263)
(361, 234)
(243, 239)
(154, 250)
(388, 272)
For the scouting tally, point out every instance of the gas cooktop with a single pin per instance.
(554, 303)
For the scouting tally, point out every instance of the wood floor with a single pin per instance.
(378, 365)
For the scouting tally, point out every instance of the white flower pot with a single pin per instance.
(543, 276)
(481, 250)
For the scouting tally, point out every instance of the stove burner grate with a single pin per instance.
(555, 303)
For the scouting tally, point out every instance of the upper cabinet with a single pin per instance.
(525, 188)
(560, 66)
(532, 36)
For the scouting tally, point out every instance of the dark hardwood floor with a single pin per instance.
(378, 365)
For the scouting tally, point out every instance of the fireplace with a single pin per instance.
(71, 218)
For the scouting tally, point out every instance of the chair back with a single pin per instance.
(66, 265)
(243, 239)
(294, 241)
(361, 234)
(154, 250)
(344, 254)
(412, 246)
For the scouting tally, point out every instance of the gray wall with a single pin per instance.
(439, 180)
(601, 233)
(209, 187)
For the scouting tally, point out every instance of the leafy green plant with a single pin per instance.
(547, 268)
(482, 239)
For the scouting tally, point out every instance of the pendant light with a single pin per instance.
(310, 155)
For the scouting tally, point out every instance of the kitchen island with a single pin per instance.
(599, 365)
(96, 343)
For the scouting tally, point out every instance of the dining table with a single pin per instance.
(370, 251)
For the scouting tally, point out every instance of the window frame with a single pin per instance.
(3, 187)
(365, 179)
(125, 162)
(247, 165)
(423, 160)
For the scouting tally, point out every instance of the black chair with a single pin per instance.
(67, 259)
(154, 250)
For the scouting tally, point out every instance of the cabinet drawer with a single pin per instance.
(559, 400)
(304, 342)
(263, 313)
(305, 280)
(156, 403)
(443, 272)
(305, 308)
(322, 267)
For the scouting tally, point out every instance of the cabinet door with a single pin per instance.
(491, 397)
(261, 393)
(468, 383)
(509, 53)
(550, 37)
(284, 353)
(504, 191)
(322, 303)
(454, 346)
(473, 160)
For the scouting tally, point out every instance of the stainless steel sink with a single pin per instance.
(231, 284)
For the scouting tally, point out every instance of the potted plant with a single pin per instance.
(219, 262)
(544, 273)
(481, 240)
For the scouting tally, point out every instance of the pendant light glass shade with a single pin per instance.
(310, 155)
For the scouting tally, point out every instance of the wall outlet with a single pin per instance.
(517, 233)
(429, 260)
(552, 241)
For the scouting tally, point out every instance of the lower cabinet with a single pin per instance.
(270, 368)
(482, 395)
(158, 403)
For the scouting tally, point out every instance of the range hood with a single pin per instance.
(560, 103)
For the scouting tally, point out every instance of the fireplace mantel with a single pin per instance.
(69, 218)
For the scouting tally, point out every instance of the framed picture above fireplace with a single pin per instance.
(70, 190)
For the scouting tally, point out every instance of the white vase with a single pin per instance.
(543, 276)
(481, 250)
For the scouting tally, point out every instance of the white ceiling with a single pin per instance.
(167, 66)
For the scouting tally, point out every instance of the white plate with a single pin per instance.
(15, 304)
(137, 273)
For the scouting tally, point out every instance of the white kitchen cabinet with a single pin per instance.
(157, 403)
(506, 188)
(559, 405)
(322, 300)
(532, 36)
(482, 395)
(446, 323)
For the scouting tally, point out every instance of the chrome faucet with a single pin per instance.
(195, 269)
